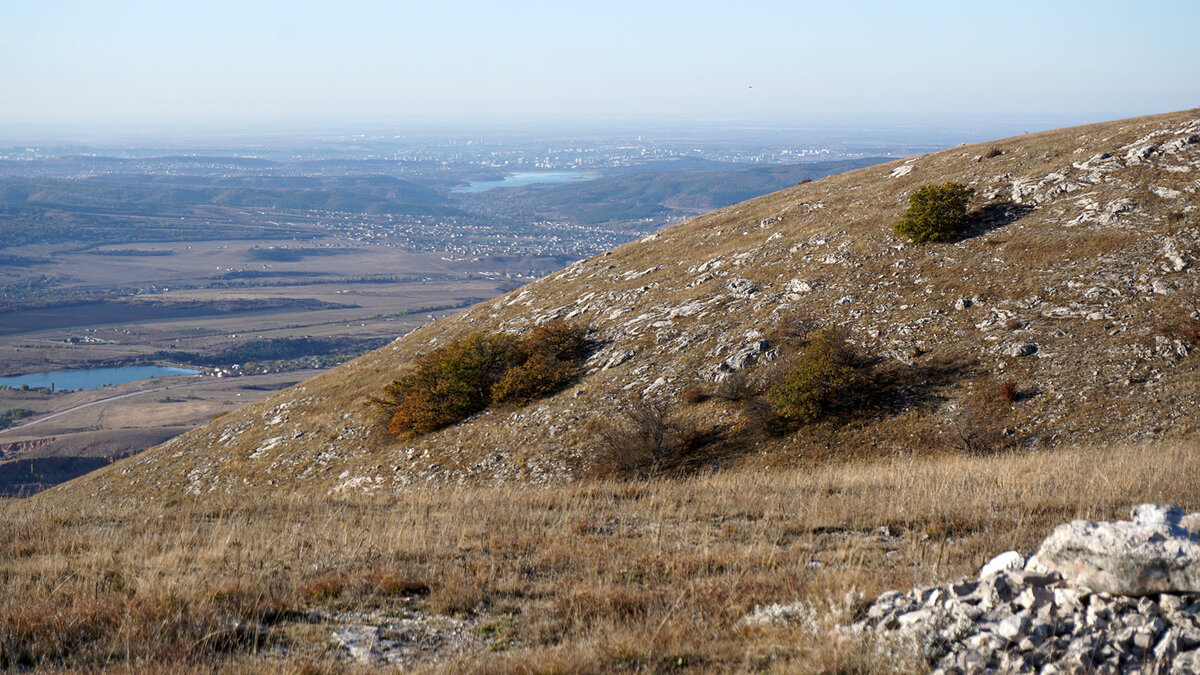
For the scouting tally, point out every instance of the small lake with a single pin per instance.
(524, 178)
(92, 378)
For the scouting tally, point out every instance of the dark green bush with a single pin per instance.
(935, 213)
(464, 377)
(828, 378)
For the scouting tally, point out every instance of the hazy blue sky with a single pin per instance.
(76, 64)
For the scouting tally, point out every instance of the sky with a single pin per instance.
(74, 65)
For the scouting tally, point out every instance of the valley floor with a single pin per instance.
(587, 577)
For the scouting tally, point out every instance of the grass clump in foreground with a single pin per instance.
(935, 213)
(469, 374)
(588, 577)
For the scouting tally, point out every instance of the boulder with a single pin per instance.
(1025, 349)
(1009, 560)
(1157, 552)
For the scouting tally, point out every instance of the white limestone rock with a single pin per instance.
(1158, 552)
(1165, 192)
(1009, 560)
(1023, 349)
(742, 288)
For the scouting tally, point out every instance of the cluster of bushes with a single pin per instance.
(274, 349)
(819, 382)
(469, 374)
(935, 213)
(13, 415)
(821, 378)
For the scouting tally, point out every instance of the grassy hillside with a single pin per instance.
(1076, 282)
(1038, 367)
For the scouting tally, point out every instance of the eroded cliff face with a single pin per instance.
(1077, 281)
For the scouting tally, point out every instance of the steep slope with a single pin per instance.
(1079, 269)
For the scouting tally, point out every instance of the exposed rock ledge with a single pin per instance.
(1107, 597)
(1159, 552)
(1110, 597)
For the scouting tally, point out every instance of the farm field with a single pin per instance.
(335, 305)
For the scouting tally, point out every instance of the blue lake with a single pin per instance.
(525, 178)
(92, 378)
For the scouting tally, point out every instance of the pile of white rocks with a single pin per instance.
(1109, 597)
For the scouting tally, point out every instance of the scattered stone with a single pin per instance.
(1013, 628)
(1009, 560)
(796, 287)
(1024, 349)
(1165, 192)
(1141, 153)
(1018, 619)
(901, 171)
(398, 641)
(742, 288)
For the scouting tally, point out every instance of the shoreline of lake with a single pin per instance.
(92, 378)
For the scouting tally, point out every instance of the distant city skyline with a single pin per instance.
(74, 68)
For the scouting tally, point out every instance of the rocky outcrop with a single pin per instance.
(1158, 552)
(1097, 598)
(397, 641)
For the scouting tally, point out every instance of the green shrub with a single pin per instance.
(935, 213)
(533, 380)
(464, 377)
(827, 378)
(551, 355)
(451, 382)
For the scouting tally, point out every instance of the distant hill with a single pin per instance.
(1076, 282)
(137, 194)
(664, 189)
(115, 208)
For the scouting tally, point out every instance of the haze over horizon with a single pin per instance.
(131, 66)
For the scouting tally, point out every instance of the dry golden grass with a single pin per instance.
(588, 577)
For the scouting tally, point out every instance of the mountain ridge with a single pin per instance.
(1079, 264)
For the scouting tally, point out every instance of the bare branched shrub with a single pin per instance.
(646, 440)
(1183, 318)
(759, 419)
(794, 330)
(975, 432)
(736, 386)
(993, 152)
